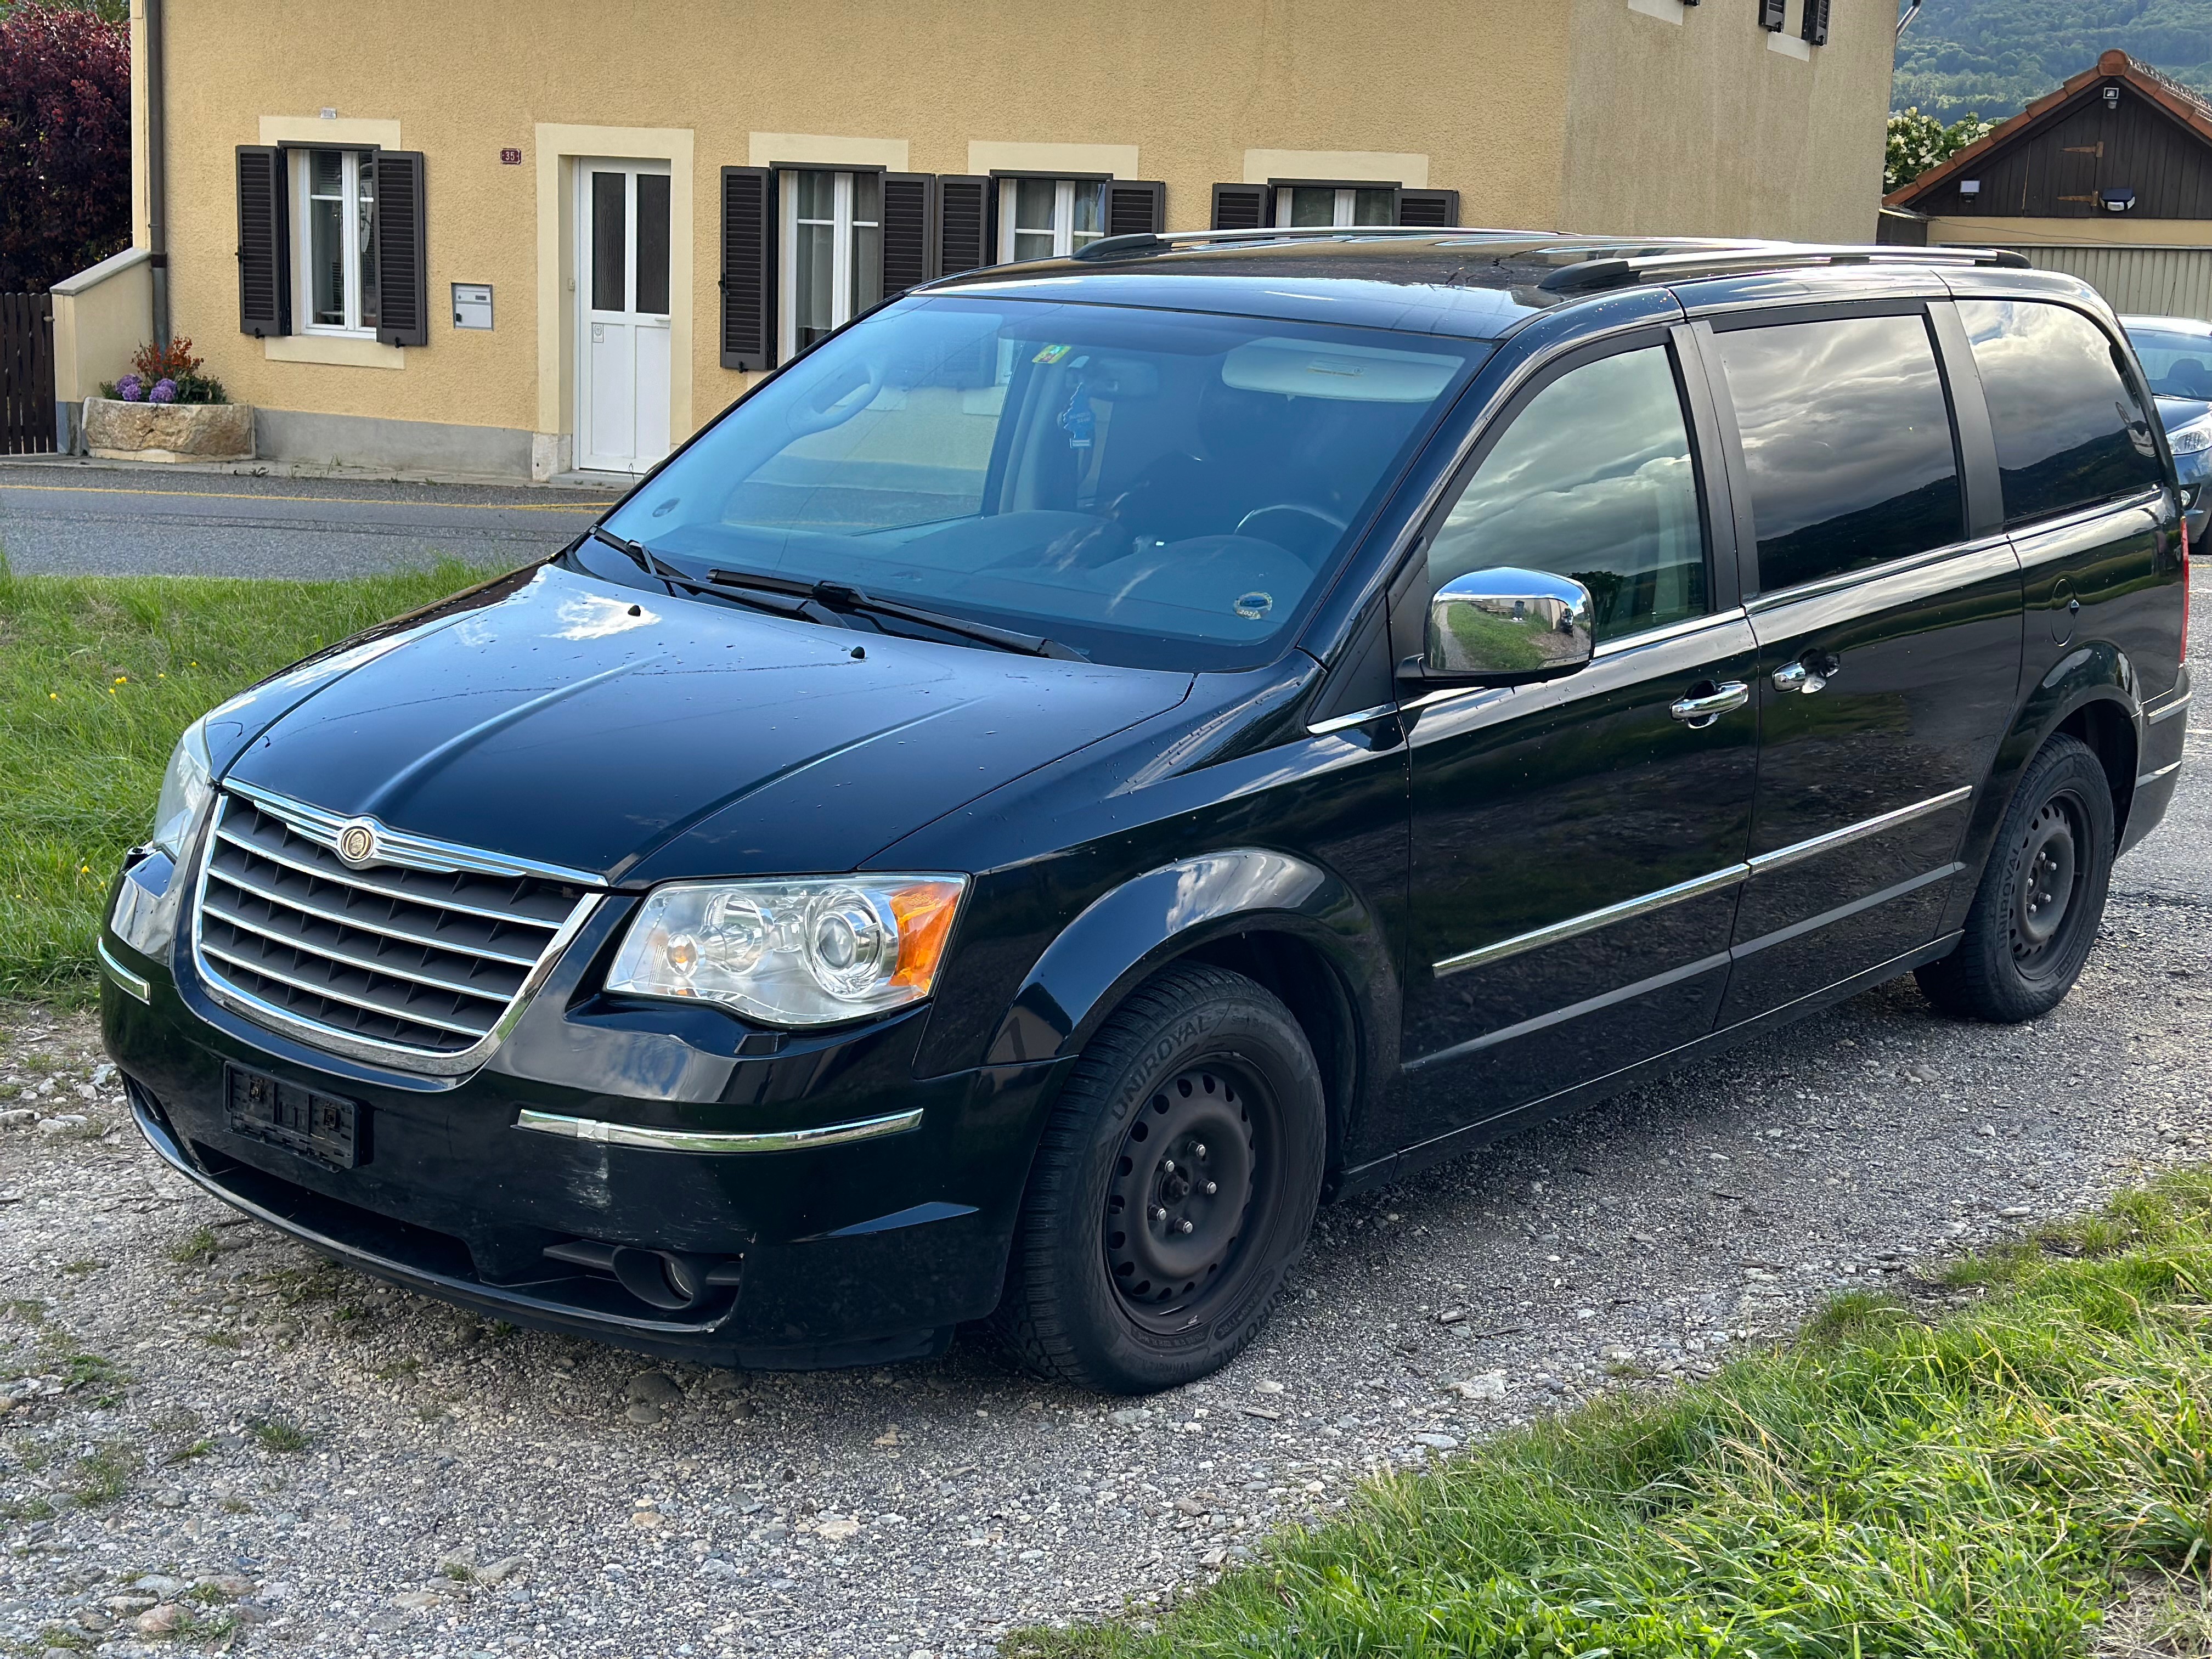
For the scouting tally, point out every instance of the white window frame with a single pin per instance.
(303, 281)
(842, 226)
(1346, 206)
(1063, 217)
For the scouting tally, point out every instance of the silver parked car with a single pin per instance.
(2177, 360)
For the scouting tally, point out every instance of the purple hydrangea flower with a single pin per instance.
(164, 392)
(131, 388)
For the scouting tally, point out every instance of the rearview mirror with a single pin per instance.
(1505, 627)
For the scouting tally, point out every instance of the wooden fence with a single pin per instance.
(27, 374)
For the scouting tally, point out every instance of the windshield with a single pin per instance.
(2179, 364)
(1154, 489)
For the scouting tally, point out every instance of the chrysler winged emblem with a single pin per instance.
(357, 842)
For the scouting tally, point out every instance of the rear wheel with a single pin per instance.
(1175, 1184)
(2035, 915)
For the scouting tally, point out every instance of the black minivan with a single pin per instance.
(1099, 756)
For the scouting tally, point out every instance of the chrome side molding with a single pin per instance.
(1589, 921)
(690, 1141)
(1797, 851)
(2169, 710)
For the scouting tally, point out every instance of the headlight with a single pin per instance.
(2191, 440)
(793, 952)
(186, 788)
(151, 892)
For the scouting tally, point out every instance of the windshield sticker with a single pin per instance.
(1253, 606)
(1051, 354)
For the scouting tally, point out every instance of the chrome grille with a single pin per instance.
(417, 957)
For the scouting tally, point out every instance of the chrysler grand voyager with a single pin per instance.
(1098, 756)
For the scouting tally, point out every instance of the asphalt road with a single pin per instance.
(86, 521)
(467, 1489)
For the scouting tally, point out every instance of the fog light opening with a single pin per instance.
(675, 1281)
(663, 1278)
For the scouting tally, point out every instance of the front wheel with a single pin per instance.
(2035, 915)
(1175, 1184)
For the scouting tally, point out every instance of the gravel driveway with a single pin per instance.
(291, 1453)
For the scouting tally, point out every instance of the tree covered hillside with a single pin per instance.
(1993, 55)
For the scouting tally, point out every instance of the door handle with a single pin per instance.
(1809, 673)
(1700, 710)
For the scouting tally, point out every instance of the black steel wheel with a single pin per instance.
(1176, 1181)
(1181, 1190)
(2035, 915)
(2048, 888)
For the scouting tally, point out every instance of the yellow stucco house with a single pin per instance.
(525, 241)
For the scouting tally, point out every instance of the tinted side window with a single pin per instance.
(2070, 432)
(1847, 439)
(1593, 480)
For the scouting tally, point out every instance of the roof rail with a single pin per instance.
(1595, 274)
(1149, 241)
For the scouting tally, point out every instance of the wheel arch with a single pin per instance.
(2088, 694)
(2106, 724)
(1289, 924)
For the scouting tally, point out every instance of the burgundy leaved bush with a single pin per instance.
(64, 143)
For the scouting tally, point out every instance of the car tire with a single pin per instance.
(1197, 1112)
(2042, 895)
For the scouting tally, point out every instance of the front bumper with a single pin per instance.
(816, 1248)
(2194, 473)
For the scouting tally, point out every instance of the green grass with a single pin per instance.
(196, 1249)
(1894, 1483)
(103, 1475)
(98, 674)
(279, 1435)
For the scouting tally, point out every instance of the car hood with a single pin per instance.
(2177, 412)
(579, 723)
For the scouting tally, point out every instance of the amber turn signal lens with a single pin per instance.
(924, 912)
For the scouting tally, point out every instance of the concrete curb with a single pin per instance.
(299, 470)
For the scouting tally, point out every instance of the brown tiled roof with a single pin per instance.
(2190, 108)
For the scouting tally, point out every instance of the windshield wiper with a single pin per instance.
(775, 603)
(829, 603)
(842, 598)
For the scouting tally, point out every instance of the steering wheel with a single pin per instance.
(1334, 524)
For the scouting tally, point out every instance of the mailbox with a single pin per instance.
(471, 304)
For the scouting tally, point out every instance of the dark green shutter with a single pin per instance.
(264, 271)
(1134, 206)
(403, 259)
(1242, 207)
(1770, 14)
(964, 220)
(1816, 21)
(909, 233)
(748, 268)
(1439, 208)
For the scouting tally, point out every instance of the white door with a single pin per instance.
(621, 293)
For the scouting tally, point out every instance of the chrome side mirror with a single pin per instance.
(1506, 628)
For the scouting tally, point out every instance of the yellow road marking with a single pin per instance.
(342, 500)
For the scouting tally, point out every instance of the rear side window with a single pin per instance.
(1847, 439)
(1593, 480)
(2070, 431)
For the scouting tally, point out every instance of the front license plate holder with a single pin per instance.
(320, 1127)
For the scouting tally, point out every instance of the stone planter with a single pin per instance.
(116, 431)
